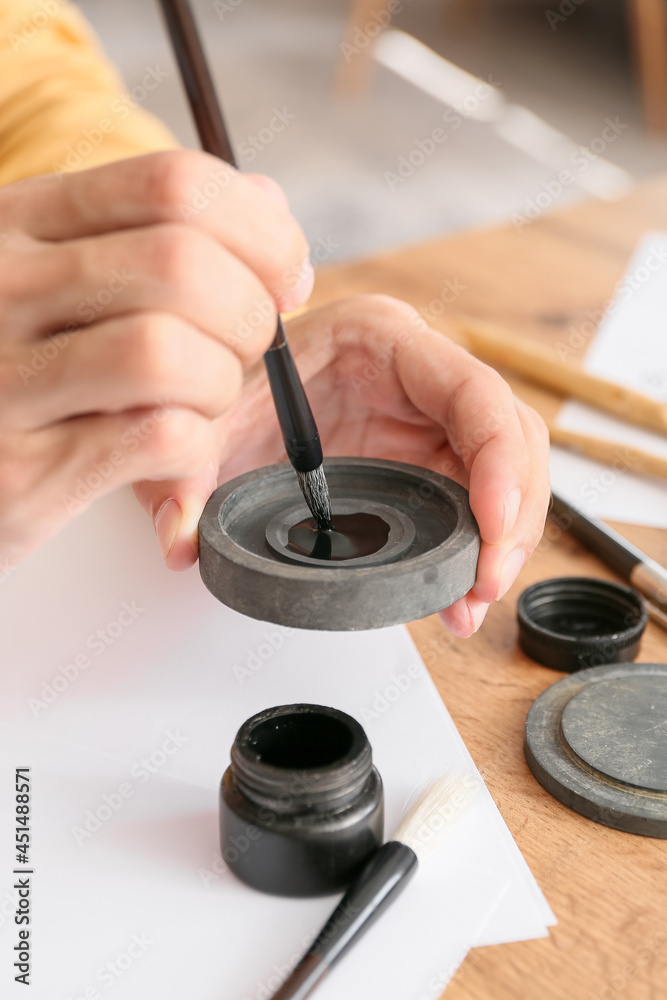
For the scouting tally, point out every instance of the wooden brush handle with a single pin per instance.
(537, 364)
(618, 456)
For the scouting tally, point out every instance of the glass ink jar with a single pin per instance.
(301, 804)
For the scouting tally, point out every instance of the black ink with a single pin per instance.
(352, 536)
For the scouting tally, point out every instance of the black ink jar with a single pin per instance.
(301, 804)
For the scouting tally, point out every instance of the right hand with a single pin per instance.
(168, 270)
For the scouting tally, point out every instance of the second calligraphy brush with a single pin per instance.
(300, 434)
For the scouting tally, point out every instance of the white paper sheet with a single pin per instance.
(630, 347)
(144, 906)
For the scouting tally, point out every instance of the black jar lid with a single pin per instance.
(572, 622)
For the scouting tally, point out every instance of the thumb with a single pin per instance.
(175, 506)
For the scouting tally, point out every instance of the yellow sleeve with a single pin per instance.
(63, 106)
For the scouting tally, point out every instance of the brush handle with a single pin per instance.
(606, 543)
(537, 363)
(642, 572)
(297, 423)
(299, 430)
(380, 882)
(197, 80)
(609, 452)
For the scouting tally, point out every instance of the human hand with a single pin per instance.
(382, 384)
(147, 264)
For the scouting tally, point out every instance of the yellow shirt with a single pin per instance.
(63, 105)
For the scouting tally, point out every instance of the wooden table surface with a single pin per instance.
(608, 889)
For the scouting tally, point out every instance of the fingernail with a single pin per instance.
(461, 619)
(478, 615)
(167, 522)
(512, 504)
(270, 187)
(511, 569)
(211, 473)
(304, 288)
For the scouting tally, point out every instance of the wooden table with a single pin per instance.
(608, 889)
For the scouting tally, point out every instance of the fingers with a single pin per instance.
(492, 443)
(50, 475)
(150, 279)
(120, 364)
(268, 185)
(158, 443)
(476, 408)
(175, 507)
(169, 268)
(500, 563)
(180, 186)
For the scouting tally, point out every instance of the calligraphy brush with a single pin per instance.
(643, 573)
(300, 434)
(382, 879)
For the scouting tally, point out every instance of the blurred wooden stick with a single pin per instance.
(622, 457)
(537, 363)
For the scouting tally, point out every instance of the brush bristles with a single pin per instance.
(316, 494)
(437, 811)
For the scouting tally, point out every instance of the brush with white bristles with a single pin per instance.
(419, 834)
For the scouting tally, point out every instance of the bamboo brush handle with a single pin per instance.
(619, 456)
(538, 364)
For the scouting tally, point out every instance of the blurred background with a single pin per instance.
(540, 104)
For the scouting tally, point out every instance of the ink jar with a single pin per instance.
(301, 804)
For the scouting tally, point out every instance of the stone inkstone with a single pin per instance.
(597, 741)
(404, 545)
(301, 804)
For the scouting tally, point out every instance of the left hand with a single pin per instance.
(383, 384)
